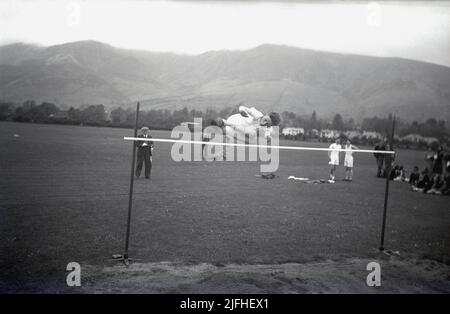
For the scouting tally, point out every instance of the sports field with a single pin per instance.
(64, 197)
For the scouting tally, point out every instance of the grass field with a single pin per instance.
(64, 195)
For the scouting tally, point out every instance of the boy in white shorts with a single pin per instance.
(245, 125)
(333, 155)
(348, 160)
(248, 121)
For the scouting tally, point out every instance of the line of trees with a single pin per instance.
(429, 128)
(164, 119)
(97, 115)
(47, 112)
(290, 119)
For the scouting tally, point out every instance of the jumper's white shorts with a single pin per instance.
(348, 161)
(334, 161)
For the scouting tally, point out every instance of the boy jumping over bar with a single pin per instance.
(245, 125)
(249, 121)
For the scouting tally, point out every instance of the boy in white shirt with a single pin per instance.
(333, 155)
(248, 121)
(348, 160)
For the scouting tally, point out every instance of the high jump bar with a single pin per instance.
(165, 140)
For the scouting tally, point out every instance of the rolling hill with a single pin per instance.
(269, 77)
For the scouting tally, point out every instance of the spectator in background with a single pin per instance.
(424, 183)
(445, 190)
(397, 173)
(447, 163)
(429, 157)
(445, 176)
(380, 157)
(394, 172)
(414, 177)
(437, 184)
(438, 163)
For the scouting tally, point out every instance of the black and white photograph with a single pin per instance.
(224, 148)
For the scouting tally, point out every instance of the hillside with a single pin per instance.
(270, 77)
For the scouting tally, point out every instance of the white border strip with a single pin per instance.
(257, 146)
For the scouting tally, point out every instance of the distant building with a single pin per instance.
(413, 138)
(372, 135)
(430, 140)
(329, 134)
(293, 131)
(353, 134)
(417, 138)
(314, 133)
(62, 114)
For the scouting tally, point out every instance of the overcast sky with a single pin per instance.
(414, 30)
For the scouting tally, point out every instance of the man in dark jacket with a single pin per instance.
(380, 157)
(144, 154)
(438, 161)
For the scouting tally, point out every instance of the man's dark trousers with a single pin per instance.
(380, 161)
(143, 155)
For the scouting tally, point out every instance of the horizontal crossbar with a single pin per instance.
(166, 140)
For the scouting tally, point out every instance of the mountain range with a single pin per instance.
(269, 77)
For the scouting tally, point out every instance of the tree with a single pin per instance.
(93, 114)
(21, 114)
(28, 104)
(380, 125)
(350, 125)
(74, 115)
(338, 123)
(432, 122)
(6, 111)
(43, 111)
(288, 119)
(119, 116)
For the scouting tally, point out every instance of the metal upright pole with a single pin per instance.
(386, 191)
(130, 198)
